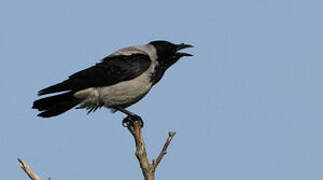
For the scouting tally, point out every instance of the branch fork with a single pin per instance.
(148, 169)
(135, 128)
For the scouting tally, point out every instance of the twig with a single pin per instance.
(148, 169)
(24, 166)
(163, 152)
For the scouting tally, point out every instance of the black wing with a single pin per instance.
(111, 70)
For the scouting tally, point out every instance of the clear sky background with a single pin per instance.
(247, 106)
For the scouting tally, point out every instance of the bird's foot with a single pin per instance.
(130, 120)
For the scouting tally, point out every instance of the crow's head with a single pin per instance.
(167, 55)
(168, 52)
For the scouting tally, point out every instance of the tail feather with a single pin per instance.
(63, 86)
(55, 105)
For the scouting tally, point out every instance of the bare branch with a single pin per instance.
(135, 128)
(24, 166)
(163, 152)
(148, 169)
(141, 154)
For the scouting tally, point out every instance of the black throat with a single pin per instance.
(161, 68)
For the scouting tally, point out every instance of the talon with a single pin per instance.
(138, 118)
(127, 122)
(131, 120)
(124, 124)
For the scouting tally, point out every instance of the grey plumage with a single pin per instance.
(118, 81)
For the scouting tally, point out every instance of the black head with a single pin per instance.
(168, 54)
(167, 50)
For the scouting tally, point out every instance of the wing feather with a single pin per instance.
(112, 70)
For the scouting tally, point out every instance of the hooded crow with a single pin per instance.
(118, 81)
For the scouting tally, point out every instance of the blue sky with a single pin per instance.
(248, 105)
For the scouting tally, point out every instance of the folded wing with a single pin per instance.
(110, 71)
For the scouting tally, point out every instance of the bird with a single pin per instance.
(118, 81)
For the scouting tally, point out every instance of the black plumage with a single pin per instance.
(118, 81)
(110, 71)
(55, 105)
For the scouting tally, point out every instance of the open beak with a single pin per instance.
(183, 46)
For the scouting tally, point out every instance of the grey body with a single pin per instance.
(125, 93)
(118, 81)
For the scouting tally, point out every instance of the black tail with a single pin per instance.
(55, 105)
(59, 87)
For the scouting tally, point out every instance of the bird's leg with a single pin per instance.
(129, 113)
(131, 118)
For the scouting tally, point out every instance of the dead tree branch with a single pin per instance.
(31, 174)
(148, 169)
(135, 128)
